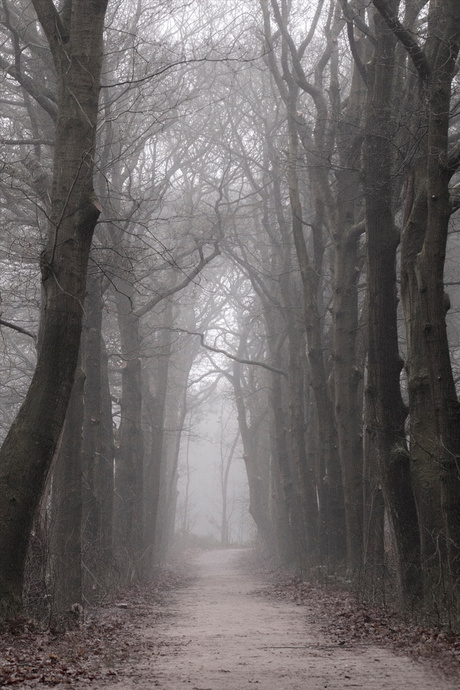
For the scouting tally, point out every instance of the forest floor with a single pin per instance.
(227, 628)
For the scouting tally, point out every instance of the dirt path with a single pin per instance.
(222, 636)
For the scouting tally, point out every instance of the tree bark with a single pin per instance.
(347, 228)
(156, 421)
(255, 459)
(28, 449)
(433, 404)
(386, 410)
(129, 456)
(176, 411)
(97, 446)
(66, 512)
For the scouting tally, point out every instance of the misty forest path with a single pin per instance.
(224, 636)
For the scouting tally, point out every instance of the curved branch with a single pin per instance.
(307, 40)
(13, 326)
(453, 159)
(275, 370)
(352, 16)
(405, 37)
(177, 288)
(269, 55)
(52, 24)
(356, 56)
(32, 88)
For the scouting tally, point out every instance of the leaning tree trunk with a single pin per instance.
(29, 447)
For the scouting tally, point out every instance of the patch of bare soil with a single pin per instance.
(224, 636)
(219, 633)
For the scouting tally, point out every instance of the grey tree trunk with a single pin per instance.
(347, 367)
(28, 449)
(156, 421)
(386, 411)
(66, 513)
(98, 445)
(433, 405)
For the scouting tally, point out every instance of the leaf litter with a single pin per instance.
(97, 648)
(348, 622)
(105, 646)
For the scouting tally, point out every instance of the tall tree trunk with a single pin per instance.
(373, 564)
(225, 473)
(386, 411)
(129, 456)
(290, 528)
(176, 411)
(286, 520)
(97, 447)
(303, 510)
(155, 413)
(347, 375)
(433, 405)
(289, 78)
(28, 449)
(255, 460)
(347, 369)
(66, 511)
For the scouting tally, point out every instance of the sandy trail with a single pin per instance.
(222, 636)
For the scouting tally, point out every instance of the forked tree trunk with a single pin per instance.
(433, 405)
(299, 479)
(289, 78)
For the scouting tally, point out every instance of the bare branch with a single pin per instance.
(14, 327)
(31, 87)
(356, 56)
(453, 159)
(405, 37)
(50, 19)
(352, 16)
(21, 142)
(180, 286)
(275, 370)
(178, 63)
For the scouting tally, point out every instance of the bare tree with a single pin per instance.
(27, 451)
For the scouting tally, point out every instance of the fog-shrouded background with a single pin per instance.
(208, 445)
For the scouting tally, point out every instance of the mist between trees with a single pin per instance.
(249, 201)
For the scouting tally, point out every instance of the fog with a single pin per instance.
(205, 449)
